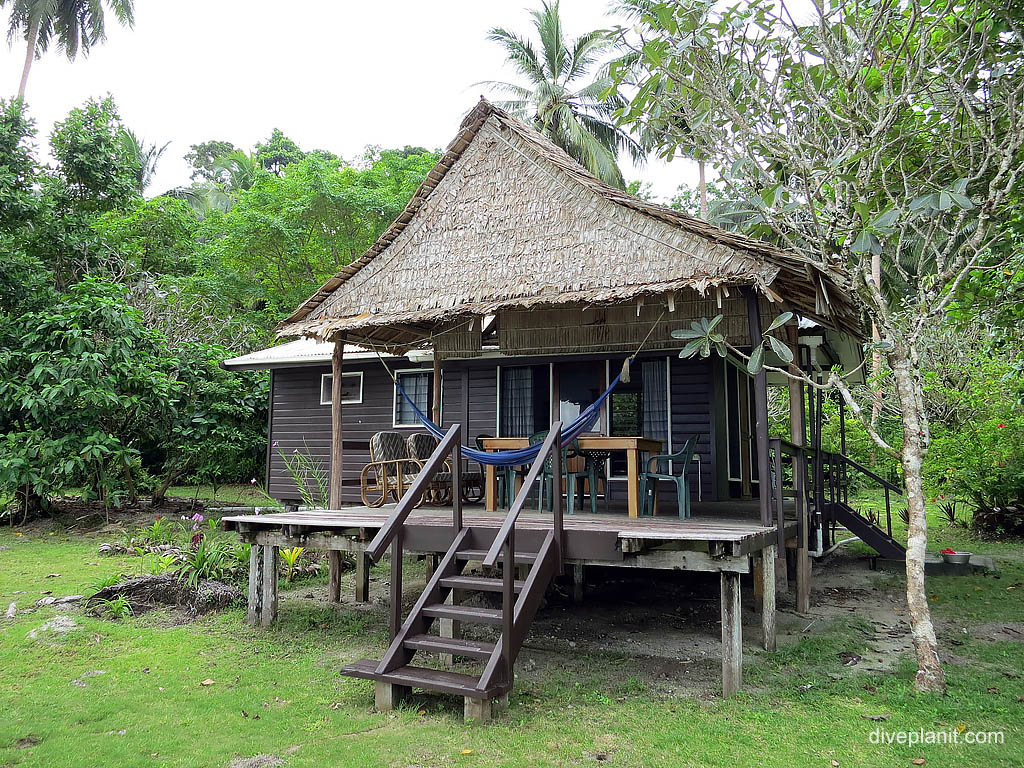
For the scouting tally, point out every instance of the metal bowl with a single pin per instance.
(957, 558)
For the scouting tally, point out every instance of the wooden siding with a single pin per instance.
(299, 422)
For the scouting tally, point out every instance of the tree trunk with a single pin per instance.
(30, 53)
(703, 186)
(161, 490)
(876, 356)
(930, 676)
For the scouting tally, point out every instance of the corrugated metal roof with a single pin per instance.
(301, 352)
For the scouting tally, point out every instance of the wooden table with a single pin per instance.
(631, 446)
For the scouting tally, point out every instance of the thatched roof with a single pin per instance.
(506, 219)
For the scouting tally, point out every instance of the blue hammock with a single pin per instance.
(519, 456)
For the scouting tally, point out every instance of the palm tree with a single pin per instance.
(241, 169)
(145, 157)
(77, 25)
(575, 114)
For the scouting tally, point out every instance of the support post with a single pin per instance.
(387, 696)
(798, 436)
(732, 634)
(764, 473)
(450, 628)
(768, 560)
(362, 577)
(334, 576)
(577, 583)
(262, 585)
(337, 461)
(435, 410)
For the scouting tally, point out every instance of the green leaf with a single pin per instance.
(687, 333)
(781, 320)
(781, 349)
(756, 361)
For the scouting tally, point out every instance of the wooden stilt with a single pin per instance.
(334, 577)
(362, 577)
(387, 696)
(337, 460)
(798, 436)
(482, 710)
(450, 628)
(255, 584)
(262, 585)
(768, 561)
(578, 581)
(732, 634)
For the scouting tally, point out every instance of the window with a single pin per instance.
(740, 421)
(416, 384)
(525, 396)
(641, 407)
(351, 387)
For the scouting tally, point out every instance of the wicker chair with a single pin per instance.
(390, 471)
(419, 447)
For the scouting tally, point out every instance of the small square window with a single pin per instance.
(351, 387)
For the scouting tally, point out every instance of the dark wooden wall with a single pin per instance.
(299, 422)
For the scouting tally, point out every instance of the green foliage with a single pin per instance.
(287, 234)
(80, 390)
(156, 236)
(290, 557)
(118, 608)
(96, 169)
(278, 152)
(311, 476)
(209, 560)
(203, 158)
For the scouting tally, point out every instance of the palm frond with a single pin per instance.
(548, 21)
(520, 53)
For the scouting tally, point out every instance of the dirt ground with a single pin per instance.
(663, 628)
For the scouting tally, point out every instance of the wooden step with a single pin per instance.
(438, 680)
(479, 583)
(469, 613)
(478, 555)
(457, 646)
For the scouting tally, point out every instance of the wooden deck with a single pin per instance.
(724, 538)
(728, 532)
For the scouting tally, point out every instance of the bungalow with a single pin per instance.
(505, 300)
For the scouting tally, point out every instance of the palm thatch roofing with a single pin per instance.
(507, 220)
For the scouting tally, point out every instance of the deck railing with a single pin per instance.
(506, 536)
(391, 532)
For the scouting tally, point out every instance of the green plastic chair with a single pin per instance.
(547, 482)
(681, 465)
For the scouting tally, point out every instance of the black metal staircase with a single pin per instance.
(539, 552)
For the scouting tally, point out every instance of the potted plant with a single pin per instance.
(954, 557)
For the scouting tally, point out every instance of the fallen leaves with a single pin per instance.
(918, 761)
(207, 682)
(876, 718)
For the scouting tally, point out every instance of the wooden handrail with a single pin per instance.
(419, 486)
(865, 471)
(531, 477)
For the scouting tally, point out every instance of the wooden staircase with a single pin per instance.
(419, 634)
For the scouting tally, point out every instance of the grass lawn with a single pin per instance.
(277, 691)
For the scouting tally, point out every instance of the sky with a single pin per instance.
(332, 74)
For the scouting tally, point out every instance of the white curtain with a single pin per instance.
(655, 402)
(517, 402)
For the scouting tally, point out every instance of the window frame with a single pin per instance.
(395, 400)
(324, 388)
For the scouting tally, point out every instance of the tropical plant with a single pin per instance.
(563, 98)
(145, 157)
(118, 607)
(76, 24)
(311, 477)
(291, 557)
(206, 561)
